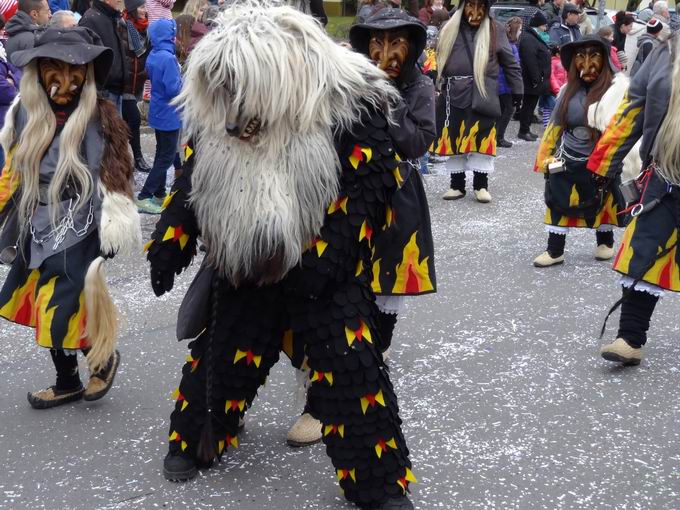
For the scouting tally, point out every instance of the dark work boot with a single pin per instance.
(179, 467)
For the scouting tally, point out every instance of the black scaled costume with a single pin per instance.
(322, 310)
(403, 263)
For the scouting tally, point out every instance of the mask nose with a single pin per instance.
(232, 129)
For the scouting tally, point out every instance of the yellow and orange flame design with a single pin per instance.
(413, 274)
(619, 129)
(547, 147)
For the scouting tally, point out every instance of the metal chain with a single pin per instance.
(561, 151)
(448, 101)
(67, 223)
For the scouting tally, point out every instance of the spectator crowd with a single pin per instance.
(150, 46)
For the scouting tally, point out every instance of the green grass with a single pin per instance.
(338, 26)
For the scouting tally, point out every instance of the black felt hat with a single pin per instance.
(388, 19)
(568, 50)
(76, 46)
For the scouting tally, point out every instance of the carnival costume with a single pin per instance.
(648, 258)
(468, 105)
(403, 262)
(403, 259)
(574, 197)
(65, 200)
(287, 182)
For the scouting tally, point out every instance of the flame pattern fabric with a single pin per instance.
(467, 132)
(50, 298)
(569, 193)
(403, 259)
(323, 309)
(647, 236)
(623, 131)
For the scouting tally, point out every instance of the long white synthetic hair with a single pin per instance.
(36, 137)
(447, 39)
(668, 152)
(265, 200)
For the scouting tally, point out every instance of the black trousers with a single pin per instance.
(506, 114)
(351, 393)
(529, 103)
(134, 121)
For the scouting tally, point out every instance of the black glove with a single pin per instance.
(517, 100)
(161, 281)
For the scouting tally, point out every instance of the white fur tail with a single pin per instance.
(102, 317)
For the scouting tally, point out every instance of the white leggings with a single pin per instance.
(471, 162)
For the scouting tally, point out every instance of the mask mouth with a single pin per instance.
(62, 98)
(251, 130)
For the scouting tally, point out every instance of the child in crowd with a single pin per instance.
(558, 77)
(166, 82)
(607, 33)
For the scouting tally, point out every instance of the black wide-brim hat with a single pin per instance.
(388, 19)
(75, 46)
(568, 50)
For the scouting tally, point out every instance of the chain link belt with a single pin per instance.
(448, 95)
(66, 224)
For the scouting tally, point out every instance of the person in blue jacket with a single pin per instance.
(59, 5)
(163, 70)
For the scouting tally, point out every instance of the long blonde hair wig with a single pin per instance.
(36, 137)
(447, 39)
(668, 152)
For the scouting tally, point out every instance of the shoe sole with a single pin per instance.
(450, 199)
(48, 404)
(102, 393)
(180, 476)
(601, 259)
(301, 444)
(549, 265)
(617, 358)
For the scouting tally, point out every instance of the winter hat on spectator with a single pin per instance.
(538, 20)
(654, 26)
(132, 5)
(568, 9)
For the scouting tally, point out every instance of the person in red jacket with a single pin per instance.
(558, 75)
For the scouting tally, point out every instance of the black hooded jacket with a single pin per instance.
(414, 119)
(534, 55)
(107, 23)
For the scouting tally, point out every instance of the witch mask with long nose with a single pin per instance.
(62, 82)
(589, 61)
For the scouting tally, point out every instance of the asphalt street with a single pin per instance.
(505, 400)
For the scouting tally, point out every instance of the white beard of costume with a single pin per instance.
(258, 210)
(261, 195)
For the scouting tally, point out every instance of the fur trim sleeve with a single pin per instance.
(119, 228)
